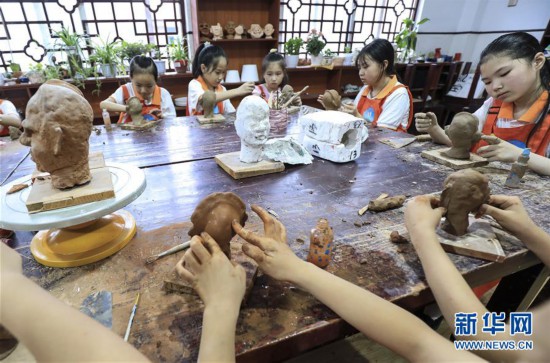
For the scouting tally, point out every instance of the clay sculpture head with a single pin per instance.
(332, 100)
(239, 30)
(204, 29)
(464, 192)
(252, 124)
(217, 30)
(135, 107)
(214, 215)
(230, 29)
(269, 30)
(208, 102)
(57, 127)
(286, 94)
(463, 132)
(256, 31)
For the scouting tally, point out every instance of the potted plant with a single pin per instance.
(108, 56)
(292, 50)
(159, 62)
(15, 70)
(128, 50)
(314, 46)
(36, 73)
(348, 56)
(71, 44)
(328, 58)
(406, 39)
(178, 52)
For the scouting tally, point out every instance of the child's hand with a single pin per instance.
(212, 275)
(246, 88)
(157, 113)
(425, 121)
(10, 261)
(351, 109)
(270, 251)
(423, 213)
(501, 151)
(508, 212)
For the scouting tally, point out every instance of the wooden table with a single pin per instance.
(278, 320)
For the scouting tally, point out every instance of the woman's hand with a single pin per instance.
(210, 272)
(270, 251)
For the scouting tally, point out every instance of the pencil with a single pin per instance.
(131, 318)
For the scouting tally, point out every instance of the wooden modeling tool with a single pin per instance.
(170, 251)
(297, 94)
(134, 308)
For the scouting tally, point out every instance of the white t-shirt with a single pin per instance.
(166, 104)
(7, 108)
(481, 114)
(195, 91)
(395, 110)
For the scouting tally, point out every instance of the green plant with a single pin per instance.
(157, 53)
(178, 50)
(347, 49)
(71, 44)
(129, 50)
(15, 67)
(293, 45)
(315, 43)
(107, 53)
(328, 53)
(406, 38)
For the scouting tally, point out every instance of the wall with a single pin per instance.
(462, 16)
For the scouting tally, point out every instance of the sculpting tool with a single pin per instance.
(134, 308)
(294, 97)
(15, 168)
(170, 251)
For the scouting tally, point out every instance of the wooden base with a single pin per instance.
(43, 196)
(144, 126)
(480, 242)
(435, 155)
(398, 142)
(216, 118)
(233, 166)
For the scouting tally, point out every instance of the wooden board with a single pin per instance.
(398, 142)
(216, 118)
(145, 126)
(43, 196)
(233, 166)
(435, 155)
(480, 242)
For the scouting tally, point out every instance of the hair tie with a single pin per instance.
(206, 45)
(273, 50)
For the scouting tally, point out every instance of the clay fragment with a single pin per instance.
(395, 237)
(214, 215)
(463, 193)
(17, 187)
(380, 205)
(463, 132)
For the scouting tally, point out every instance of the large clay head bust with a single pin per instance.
(208, 102)
(135, 108)
(252, 126)
(57, 127)
(464, 192)
(463, 134)
(214, 215)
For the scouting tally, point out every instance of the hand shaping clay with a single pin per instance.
(332, 100)
(57, 128)
(464, 192)
(463, 134)
(214, 215)
(208, 102)
(134, 110)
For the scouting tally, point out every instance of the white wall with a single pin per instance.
(477, 16)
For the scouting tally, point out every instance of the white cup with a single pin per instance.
(232, 76)
(250, 73)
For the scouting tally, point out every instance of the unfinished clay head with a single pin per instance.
(463, 132)
(252, 124)
(269, 30)
(208, 102)
(134, 110)
(204, 29)
(239, 30)
(230, 29)
(464, 192)
(332, 100)
(286, 94)
(214, 215)
(217, 31)
(256, 31)
(57, 127)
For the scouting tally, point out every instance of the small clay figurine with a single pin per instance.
(252, 124)
(134, 108)
(256, 31)
(239, 30)
(57, 128)
(208, 102)
(214, 215)
(217, 30)
(287, 93)
(204, 29)
(269, 30)
(230, 30)
(321, 244)
(463, 132)
(332, 101)
(464, 192)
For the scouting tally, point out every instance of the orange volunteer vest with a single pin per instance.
(155, 105)
(519, 136)
(205, 88)
(371, 109)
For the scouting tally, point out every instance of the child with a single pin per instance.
(383, 100)
(517, 77)
(452, 293)
(209, 67)
(221, 286)
(8, 117)
(275, 77)
(157, 101)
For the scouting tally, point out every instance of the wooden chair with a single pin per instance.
(454, 105)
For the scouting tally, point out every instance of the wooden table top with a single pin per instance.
(278, 320)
